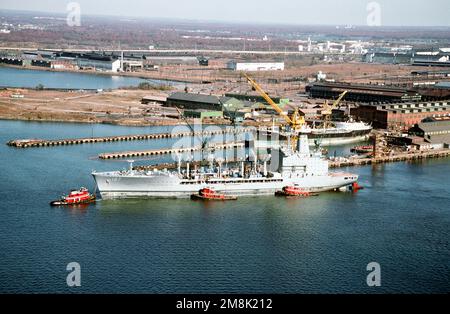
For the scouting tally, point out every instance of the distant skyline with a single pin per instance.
(323, 12)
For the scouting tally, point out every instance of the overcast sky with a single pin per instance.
(334, 12)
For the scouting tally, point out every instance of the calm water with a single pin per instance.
(264, 244)
(12, 77)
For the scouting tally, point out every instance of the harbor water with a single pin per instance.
(323, 244)
(25, 78)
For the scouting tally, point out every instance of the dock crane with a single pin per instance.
(328, 110)
(296, 121)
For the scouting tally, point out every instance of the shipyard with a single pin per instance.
(241, 148)
(337, 112)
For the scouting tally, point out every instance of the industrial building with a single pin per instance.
(39, 63)
(440, 58)
(437, 92)
(255, 66)
(255, 98)
(431, 74)
(38, 55)
(71, 60)
(152, 99)
(399, 116)
(130, 62)
(62, 64)
(194, 101)
(427, 63)
(203, 114)
(437, 57)
(131, 65)
(362, 93)
(435, 131)
(389, 57)
(171, 60)
(210, 106)
(202, 102)
(99, 63)
(207, 106)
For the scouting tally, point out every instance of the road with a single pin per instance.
(180, 51)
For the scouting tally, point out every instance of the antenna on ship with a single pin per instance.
(220, 162)
(130, 161)
(179, 161)
(266, 159)
(188, 159)
(242, 168)
(255, 162)
(288, 141)
(211, 159)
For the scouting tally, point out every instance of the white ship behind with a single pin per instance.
(341, 133)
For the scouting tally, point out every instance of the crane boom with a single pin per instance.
(268, 99)
(328, 109)
(339, 99)
(185, 120)
(202, 139)
(296, 121)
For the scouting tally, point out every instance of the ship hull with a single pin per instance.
(339, 140)
(329, 137)
(111, 186)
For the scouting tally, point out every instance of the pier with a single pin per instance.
(28, 143)
(156, 152)
(411, 156)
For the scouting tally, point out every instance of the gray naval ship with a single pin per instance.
(300, 167)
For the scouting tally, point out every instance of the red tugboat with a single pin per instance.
(294, 191)
(208, 194)
(75, 197)
(356, 187)
(365, 149)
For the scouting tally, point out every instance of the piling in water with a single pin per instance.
(27, 143)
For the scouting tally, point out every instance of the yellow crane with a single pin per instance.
(328, 110)
(295, 121)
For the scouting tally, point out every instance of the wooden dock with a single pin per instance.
(28, 143)
(156, 152)
(411, 156)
